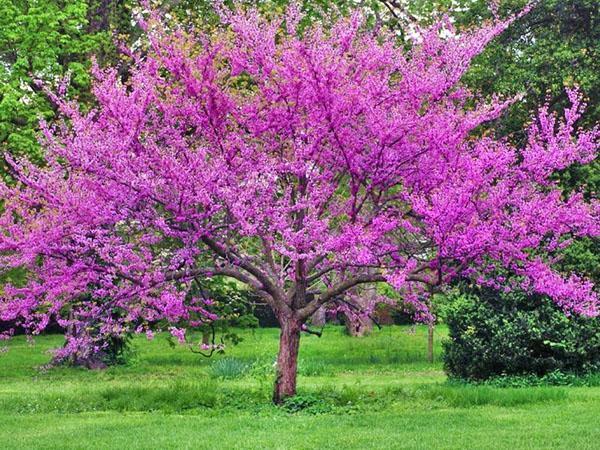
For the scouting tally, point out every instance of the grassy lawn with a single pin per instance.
(374, 392)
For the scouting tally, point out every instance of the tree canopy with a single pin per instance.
(296, 161)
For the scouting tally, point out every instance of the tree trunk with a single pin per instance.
(358, 325)
(319, 317)
(287, 360)
(430, 329)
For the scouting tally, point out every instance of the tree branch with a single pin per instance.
(267, 283)
(347, 284)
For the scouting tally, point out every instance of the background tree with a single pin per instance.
(44, 40)
(557, 45)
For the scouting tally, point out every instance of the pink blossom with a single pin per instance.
(179, 333)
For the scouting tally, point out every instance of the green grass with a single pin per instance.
(374, 392)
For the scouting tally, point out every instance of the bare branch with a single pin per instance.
(347, 284)
(267, 283)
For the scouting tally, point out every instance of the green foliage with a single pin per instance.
(583, 257)
(306, 403)
(118, 350)
(16, 277)
(44, 40)
(555, 45)
(229, 368)
(555, 378)
(495, 334)
(232, 305)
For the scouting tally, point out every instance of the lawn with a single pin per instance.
(373, 392)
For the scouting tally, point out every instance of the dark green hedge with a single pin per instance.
(493, 334)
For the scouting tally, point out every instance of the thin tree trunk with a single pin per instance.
(430, 329)
(287, 360)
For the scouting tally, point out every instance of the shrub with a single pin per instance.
(494, 334)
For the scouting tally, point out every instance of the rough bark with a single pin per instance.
(287, 360)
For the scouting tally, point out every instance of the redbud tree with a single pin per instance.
(304, 162)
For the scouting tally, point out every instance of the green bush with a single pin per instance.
(495, 334)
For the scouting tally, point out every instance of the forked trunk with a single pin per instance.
(287, 360)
